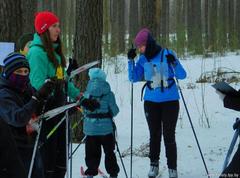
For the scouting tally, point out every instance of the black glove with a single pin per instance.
(171, 59)
(132, 53)
(89, 104)
(45, 90)
(72, 65)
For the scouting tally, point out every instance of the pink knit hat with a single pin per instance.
(142, 37)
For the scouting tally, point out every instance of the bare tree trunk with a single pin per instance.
(238, 22)
(148, 15)
(121, 26)
(222, 23)
(212, 25)
(133, 20)
(232, 35)
(180, 27)
(158, 19)
(205, 23)
(72, 24)
(164, 23)
(106, 25)
(29, 7)
(114, 27)
(88, 37)
(10, 20)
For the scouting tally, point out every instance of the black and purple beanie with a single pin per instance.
(13, 62)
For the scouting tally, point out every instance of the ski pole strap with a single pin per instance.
(99, 115)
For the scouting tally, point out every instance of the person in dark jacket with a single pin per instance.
(233, 168)
(18, 102)
(98, 125)
(159, 67)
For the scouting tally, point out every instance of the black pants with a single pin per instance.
(26, 156)
(54, 149)
(233, 169)
(93, 154)
(162, 120)
(11, 164)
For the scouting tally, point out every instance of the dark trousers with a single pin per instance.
(11, 164)
(26, 156)
(233, 169)
(54, 149)
(162, 120)
(93, 154)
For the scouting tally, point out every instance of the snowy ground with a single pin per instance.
(214, 141)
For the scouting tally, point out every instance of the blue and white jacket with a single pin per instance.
(136, 73)
(98, 88)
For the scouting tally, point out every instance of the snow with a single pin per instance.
(214, 141)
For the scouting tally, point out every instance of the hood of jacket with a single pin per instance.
(97, 88)
(152, 48)
(4, 83)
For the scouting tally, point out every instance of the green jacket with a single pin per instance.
(41, 68)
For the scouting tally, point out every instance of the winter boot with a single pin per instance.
(154, 169)
(173, 173)
(113, 177)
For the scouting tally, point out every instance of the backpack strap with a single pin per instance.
(99, 115)
(161, 60)
(147, 84)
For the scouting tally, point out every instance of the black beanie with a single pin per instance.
(23, 40)
(13, 62)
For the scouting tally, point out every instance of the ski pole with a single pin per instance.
(190, 120)
(82, 141)
(36, 145)
(195, 135)
(118, 150)
(131, 122)
(120, 156)
(55, 128)
(34, 151)
(67, 146)
(233, 142)
(57, 125)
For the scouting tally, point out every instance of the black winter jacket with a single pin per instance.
(16, 110)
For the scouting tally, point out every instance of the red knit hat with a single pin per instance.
(142, 37)
(43, 20)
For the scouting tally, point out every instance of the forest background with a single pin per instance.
(105, 29)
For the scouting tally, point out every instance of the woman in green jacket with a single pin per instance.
(46, 61)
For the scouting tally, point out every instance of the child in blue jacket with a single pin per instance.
(98, 125)
(159, 67)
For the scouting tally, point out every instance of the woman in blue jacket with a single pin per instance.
(98, 125)
(159, 67)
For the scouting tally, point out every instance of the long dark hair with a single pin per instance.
(48, 46)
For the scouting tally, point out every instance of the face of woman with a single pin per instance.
(22, 71)
(142, 49)
(54, 31)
